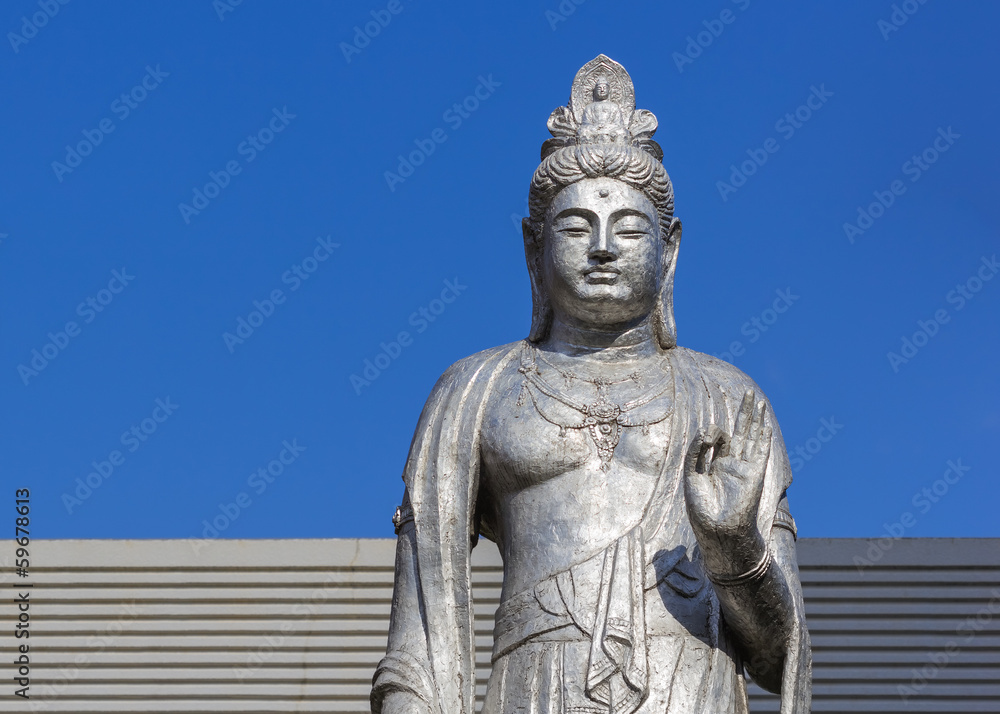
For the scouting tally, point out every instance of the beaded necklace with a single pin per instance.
(603, 418)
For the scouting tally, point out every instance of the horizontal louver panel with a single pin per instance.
(298, 625)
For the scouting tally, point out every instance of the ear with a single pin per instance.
(664, 325)
(674, 232)
(541, 311)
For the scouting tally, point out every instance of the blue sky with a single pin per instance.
(167, 165)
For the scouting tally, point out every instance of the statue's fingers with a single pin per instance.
(754, 440)
(753, 433)
(698, 488)
(761, 457)
(696, 453)
(741, 429)
(717, 440)
(707, 439)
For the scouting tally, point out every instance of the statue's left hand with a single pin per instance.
(723, 482)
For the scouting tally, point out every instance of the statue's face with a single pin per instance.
(601, 91)
(602, 251)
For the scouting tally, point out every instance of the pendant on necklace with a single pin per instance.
(603, 418)
(602, 421)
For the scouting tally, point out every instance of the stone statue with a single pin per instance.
(636, 489)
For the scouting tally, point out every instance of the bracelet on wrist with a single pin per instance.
(755, 573)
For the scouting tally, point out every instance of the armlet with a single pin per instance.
(783, 519)
(404, 514)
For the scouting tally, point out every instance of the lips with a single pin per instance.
(602, 270)
(601, 275)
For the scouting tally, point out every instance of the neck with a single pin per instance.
(609, 344)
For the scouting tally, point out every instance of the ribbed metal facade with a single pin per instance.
(298, 625)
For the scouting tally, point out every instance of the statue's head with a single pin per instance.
(601, 238)
(601, 89)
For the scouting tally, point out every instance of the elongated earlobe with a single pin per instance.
(664, 326)
(541, 310)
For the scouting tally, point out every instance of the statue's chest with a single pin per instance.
(537, 430)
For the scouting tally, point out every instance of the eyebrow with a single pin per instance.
(623, 212)
(587, 214)
(575, 212)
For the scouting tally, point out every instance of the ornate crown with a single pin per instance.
(602, 110)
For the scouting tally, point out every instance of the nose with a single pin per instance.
(603, 246)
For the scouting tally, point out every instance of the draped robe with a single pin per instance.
(431, 653)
